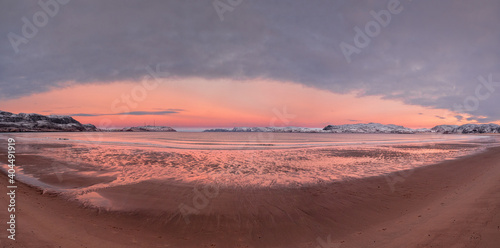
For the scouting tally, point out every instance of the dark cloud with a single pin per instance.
(430, 54)
(82, 114)
(166, 112)
(149, 112)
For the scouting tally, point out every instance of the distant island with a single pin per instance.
(141, 129)
(22, 122)
(268, 129)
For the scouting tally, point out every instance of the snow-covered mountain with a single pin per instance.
(371, 128)
(22, 122)
(268, 129)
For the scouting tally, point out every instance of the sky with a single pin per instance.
(228, 63)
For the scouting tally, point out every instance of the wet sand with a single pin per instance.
(451, 204)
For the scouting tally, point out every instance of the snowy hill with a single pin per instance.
(467, 128)
(22, 122)
(444, 128)
(477, 128)
(371, 128)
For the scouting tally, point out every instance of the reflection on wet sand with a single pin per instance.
(89, 172)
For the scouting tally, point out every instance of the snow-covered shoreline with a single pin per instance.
(22, 122)
(370, 128)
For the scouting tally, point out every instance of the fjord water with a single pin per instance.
(230, 159)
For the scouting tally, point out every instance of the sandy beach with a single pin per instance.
(451, 204)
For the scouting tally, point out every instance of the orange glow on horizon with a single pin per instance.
(223, 103)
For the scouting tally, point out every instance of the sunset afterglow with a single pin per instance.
(196, 102)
